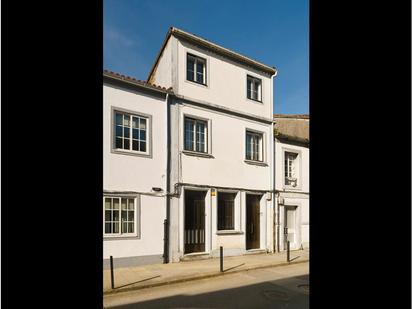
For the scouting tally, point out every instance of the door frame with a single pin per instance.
(207, 228)
(298, 240)
(259, 215)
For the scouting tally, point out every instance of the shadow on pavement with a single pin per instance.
(233, 267)
(282, 293)
(122, 286)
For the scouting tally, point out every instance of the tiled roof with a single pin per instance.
(292, 127)
(297, 116)
(135, 81)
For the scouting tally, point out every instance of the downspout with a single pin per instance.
(167, 221)
(275, 204)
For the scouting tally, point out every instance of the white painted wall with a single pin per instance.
(227, 138)
(122, 172)
(296, 197)
(227, 168)
(280, 147)
(163, 72)
(226, 82)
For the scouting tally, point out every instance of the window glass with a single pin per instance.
(119, 217)
(199, 72)
(196, 69)
(254, 146)
(129, 130)
(190, 68)
(254, 88)
(226, 207)
(189, 134)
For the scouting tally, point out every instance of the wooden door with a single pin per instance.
(194, 233)
(252, 221)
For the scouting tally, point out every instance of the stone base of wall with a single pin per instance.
(133, 261)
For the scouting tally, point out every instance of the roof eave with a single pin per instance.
(205, 43)
(119, 78)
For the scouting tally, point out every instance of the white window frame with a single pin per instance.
(258, 90)
(297, 169)
(196, 59)
(136, 216)
(131, 114)
(206, 139)
(260, 146)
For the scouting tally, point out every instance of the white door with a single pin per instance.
(290, 227)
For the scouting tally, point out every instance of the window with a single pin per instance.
(196, 69)
(225, 211)
(120, 216)
(130, 132)
(254, 146)
(291, 169)
(195, 135)
(254, 88)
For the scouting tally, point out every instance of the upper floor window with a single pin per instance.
(120, 214)
(254, 146)
(254, 88)
(291, 170)
(196, 69)
(131, 132)
(195, 135)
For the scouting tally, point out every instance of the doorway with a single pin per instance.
(253, 221)
(194, 212)
(290, 227)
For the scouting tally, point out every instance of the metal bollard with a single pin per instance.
(288, 251)
(111, 272)
(221, 259)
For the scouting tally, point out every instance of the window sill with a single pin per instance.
(132, 153)
(198, 154)
(196, 83)
(255, 101)
(291, 188)
(256, 163)
(229, 232)
(120, 237)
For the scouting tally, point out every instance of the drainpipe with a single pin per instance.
(275, 218)
(167, 222)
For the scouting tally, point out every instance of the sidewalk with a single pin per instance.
(139, 277)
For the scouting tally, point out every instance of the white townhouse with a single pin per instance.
(134, 170)
(221, 151)
(292, 181)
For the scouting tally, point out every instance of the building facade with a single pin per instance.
(292, 181)
(221, 148)
(201, 162)
(134, 170)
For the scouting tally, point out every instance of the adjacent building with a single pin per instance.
(292, 181)
(134, 170)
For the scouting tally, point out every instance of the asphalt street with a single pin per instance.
(277, 287)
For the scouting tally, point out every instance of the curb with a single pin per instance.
(198, 277)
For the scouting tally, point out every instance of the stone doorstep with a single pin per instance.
(198, 277)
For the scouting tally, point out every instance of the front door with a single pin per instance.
(290, 227)
(252, 221)
(194, 234)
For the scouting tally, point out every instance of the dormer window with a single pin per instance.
(196, 69)
(254, 88)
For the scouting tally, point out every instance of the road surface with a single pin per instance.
(277, 287)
